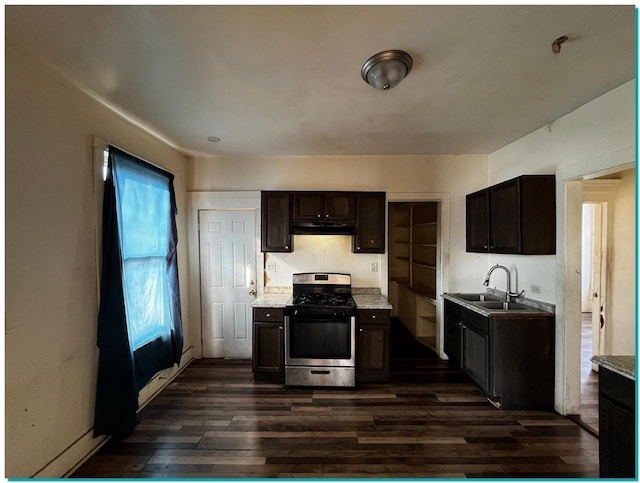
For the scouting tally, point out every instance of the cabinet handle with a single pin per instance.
(485, 246)
(286, 247)
(327, 215)
(357, 248)
(268, 315)
(318, 215)
(360, 330)
(373, 316)
(280, 327)
(464, 326)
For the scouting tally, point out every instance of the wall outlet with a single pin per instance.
(535, 289)
(374, 266)
(271, 266)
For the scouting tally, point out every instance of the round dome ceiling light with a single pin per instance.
(386, 69)
(213, 139)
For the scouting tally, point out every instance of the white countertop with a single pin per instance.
(364, 298)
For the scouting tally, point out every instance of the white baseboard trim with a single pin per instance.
(78, 452)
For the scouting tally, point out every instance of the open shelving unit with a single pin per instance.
(413, 266)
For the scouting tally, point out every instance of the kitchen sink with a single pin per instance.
(500, 305)
(476, 297)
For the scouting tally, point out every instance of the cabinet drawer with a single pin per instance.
(373, 316)
(477, 321)
(268, 314)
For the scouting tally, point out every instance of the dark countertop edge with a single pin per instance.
(623, 365)
(534, 312)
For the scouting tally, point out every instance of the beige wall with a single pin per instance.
(621, 325)
(451, 174)
(51, 297)
(596, 138)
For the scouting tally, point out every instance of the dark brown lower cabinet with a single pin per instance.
(511, 357)
(372, 345)
(268, 345)
(617, 425)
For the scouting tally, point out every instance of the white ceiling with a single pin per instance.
(281, 80)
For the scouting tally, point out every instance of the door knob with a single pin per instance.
(252, 292)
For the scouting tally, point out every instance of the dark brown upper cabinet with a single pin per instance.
(517, 216)
(323, 206)
(276, 213)
(370, 223)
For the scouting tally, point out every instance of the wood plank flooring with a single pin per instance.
(429, 421)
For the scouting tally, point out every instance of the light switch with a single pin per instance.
(374, 266)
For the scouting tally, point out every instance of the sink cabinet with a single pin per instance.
(516, 216)
(372, 345)
(510, 356)
(268, 344)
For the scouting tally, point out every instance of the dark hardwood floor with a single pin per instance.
(588, 379)
(429, 421)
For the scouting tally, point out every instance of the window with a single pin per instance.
(139, 322)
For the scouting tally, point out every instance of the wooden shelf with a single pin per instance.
(415, 253)
(425, 265)
(425, 223)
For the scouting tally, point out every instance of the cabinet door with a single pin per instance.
(339, 206)
(370, 225)
(268, 347)
(453, 339)
(373, 353)
(307, 205)
(504, 217)
(276, 236)
(478, 221)
(476, 356)
(617, 440)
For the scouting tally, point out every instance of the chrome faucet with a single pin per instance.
(509, 294)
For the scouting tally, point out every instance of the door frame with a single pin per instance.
(215, 200)
(569, 195)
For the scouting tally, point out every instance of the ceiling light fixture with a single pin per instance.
(213, 139)
(386, 69)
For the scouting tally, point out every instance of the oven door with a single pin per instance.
(320, 341)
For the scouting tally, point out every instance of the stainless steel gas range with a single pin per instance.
(320, 331)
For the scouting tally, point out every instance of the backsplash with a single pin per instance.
(322, 253)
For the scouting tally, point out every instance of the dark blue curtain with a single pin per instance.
(139, 321)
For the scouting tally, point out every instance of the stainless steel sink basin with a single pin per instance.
(500, 305)
(476, 297)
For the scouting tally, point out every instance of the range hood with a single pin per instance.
(322, 228)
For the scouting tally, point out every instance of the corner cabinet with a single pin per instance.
(509, 356)
(516, 216)
(373, 345)
(369, 223)
(268, 344)
(275, 217)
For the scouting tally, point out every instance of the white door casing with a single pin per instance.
(227, 281)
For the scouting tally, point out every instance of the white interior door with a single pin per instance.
(227, 281)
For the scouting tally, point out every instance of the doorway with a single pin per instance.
(223, 202)
(607, 322)
(418, 267)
